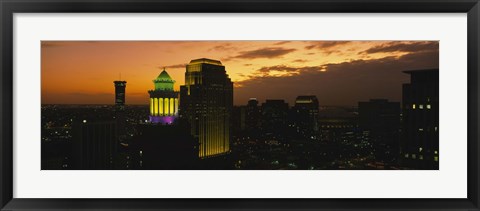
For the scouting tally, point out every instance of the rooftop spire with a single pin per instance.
(163, 81)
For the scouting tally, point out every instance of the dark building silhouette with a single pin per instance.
(274, 118)
(120, 87)
(163, 100)
(335, 122)
(165, 147)
(95, 144)
(55, 155)
(206, 101)
(305, 116)
(238, 120)
(120, 94)
(252, 116)
(381, 120)
(420, 120)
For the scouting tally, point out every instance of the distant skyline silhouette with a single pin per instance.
(337, 72)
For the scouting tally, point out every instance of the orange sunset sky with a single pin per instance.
(337, 72)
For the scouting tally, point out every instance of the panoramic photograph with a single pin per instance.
(240, 105)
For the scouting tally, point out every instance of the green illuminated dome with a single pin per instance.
(163, 81)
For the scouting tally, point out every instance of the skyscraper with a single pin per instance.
(238, 120)
(252, 117)
(94, 144)
(165, 146)
(120, 94)
(163, 100)
(420, 120)
(206, 101)
(274, 118)
(120, 87)
(380, 119)
(167, 143)
(305, 116)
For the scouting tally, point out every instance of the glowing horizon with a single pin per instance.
(338, 72)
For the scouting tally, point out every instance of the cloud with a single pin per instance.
(300, 60)
(284, 68)
(223, 47)
(247, 65)
(322, 45)
(326, 47)
(281, 42)
(344, 83)
(403, 47)
(262, 53)
(174, 66)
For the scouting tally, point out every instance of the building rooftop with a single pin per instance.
(205, 61)
(164, 76)
(421, 71)
(306, 99)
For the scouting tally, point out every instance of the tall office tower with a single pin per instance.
(94, 144)
(238, 120)
(120, 109)
(274, 118)
(305, 116)
(163, 100)
(420, 120)
(381, 120)
(252, 117)
(165, 146)
(120, 94)
(206, 100)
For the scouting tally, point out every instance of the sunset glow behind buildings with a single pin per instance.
(338, 72)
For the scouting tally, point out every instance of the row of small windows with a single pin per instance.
(420, 157)
(420, 106)
(420, 149)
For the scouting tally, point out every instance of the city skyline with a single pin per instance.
(355, 70)
(199, 128)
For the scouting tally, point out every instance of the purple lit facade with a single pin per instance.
(165, 120)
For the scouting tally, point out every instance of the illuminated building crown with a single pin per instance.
(163, 100)
(164, 81)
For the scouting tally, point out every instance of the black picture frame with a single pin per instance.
(9, 7)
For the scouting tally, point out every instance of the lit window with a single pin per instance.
(420, 106)
(84, 121)
(414, 156)
(406, 155)
(435, 158)
(429, 106)
(420, 129)
(420, 149)
(436, 128)
(420, 157)
(436, 152)
(413, 106)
